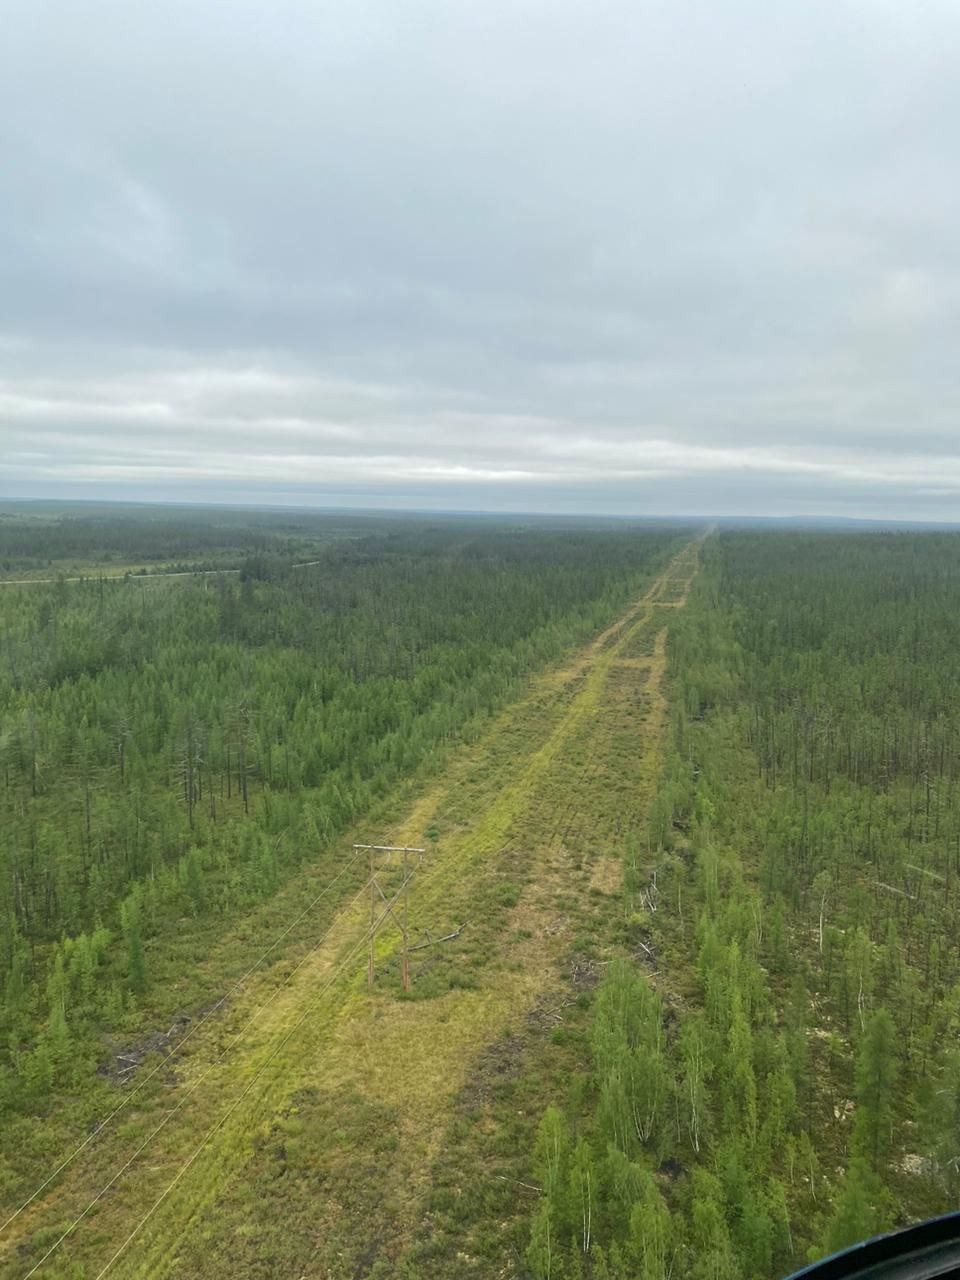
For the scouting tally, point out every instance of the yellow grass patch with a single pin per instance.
(607, 875)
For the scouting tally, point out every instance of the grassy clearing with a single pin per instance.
(331, 1151)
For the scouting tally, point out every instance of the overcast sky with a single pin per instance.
(672, 257)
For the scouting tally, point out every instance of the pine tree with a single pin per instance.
(876, 1077)
(136, 963)
(856, 1216)
(56, 1036)
(942, 1118)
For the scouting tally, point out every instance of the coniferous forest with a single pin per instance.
(171, 750)
(764, 1065)
(772, 1071)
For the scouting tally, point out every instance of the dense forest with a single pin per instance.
(170, 751)
(768, 1064)
(773, 1067)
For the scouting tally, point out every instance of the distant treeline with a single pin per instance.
(51, 535)
(104, 538)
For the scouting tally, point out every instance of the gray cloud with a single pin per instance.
(621, 256)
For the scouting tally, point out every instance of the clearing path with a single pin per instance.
(266, 1139)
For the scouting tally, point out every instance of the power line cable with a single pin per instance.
(196, 1084)
(371, 929)
(179, 1045)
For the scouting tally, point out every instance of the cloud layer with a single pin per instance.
(636, 257)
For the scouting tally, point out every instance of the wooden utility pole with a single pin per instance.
(373, 920)
(404, 962)
(403, 894)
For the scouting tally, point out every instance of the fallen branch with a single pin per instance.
(517, 1183)
(893, 889)
(926, 872)
(434, 942)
